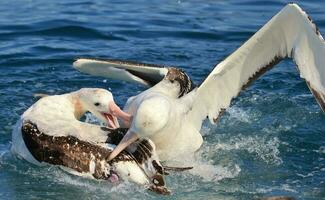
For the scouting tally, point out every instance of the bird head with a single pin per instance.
(179, 78)
(100, 102)
(151, 118)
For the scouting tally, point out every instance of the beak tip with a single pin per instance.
(111, 156)
(128, 139)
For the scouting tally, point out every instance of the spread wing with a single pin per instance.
(142, 73)
(289, 34)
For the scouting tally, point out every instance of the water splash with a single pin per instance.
(209, 172)
(236, 113)
(263, 147)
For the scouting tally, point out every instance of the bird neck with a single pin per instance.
(167, 88)
(79, 108)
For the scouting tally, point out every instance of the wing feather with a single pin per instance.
(289, 34)
(142, 73)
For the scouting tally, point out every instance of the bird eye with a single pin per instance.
(96, 104)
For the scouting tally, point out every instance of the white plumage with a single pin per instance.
(174, 125)
(58, 116)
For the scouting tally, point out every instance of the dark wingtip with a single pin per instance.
(177, 169)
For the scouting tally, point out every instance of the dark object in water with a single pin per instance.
(278, 198)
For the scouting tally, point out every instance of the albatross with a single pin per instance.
(172, 110)
(50, 132)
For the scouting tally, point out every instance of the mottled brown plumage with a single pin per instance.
(185, 82)
(70, 152)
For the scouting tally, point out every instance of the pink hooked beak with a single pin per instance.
(128, 139)
(114, 113)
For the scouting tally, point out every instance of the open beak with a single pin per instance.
(111, 120)
(114, 113)
(128, 139)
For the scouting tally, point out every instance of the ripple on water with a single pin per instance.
(269, 142)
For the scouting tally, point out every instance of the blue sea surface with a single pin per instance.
(269, 142)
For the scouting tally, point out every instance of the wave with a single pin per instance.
(67, 31)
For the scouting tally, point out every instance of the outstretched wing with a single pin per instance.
(289, 34)
(145, 74)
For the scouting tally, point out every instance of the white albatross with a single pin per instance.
(171, 115)
(50, 132)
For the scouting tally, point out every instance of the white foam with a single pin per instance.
(206, 169)
(239, 114)
(270, 189)
(209, 172)
(264, 147)
(121, 190)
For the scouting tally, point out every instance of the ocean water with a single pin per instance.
(270, 142)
